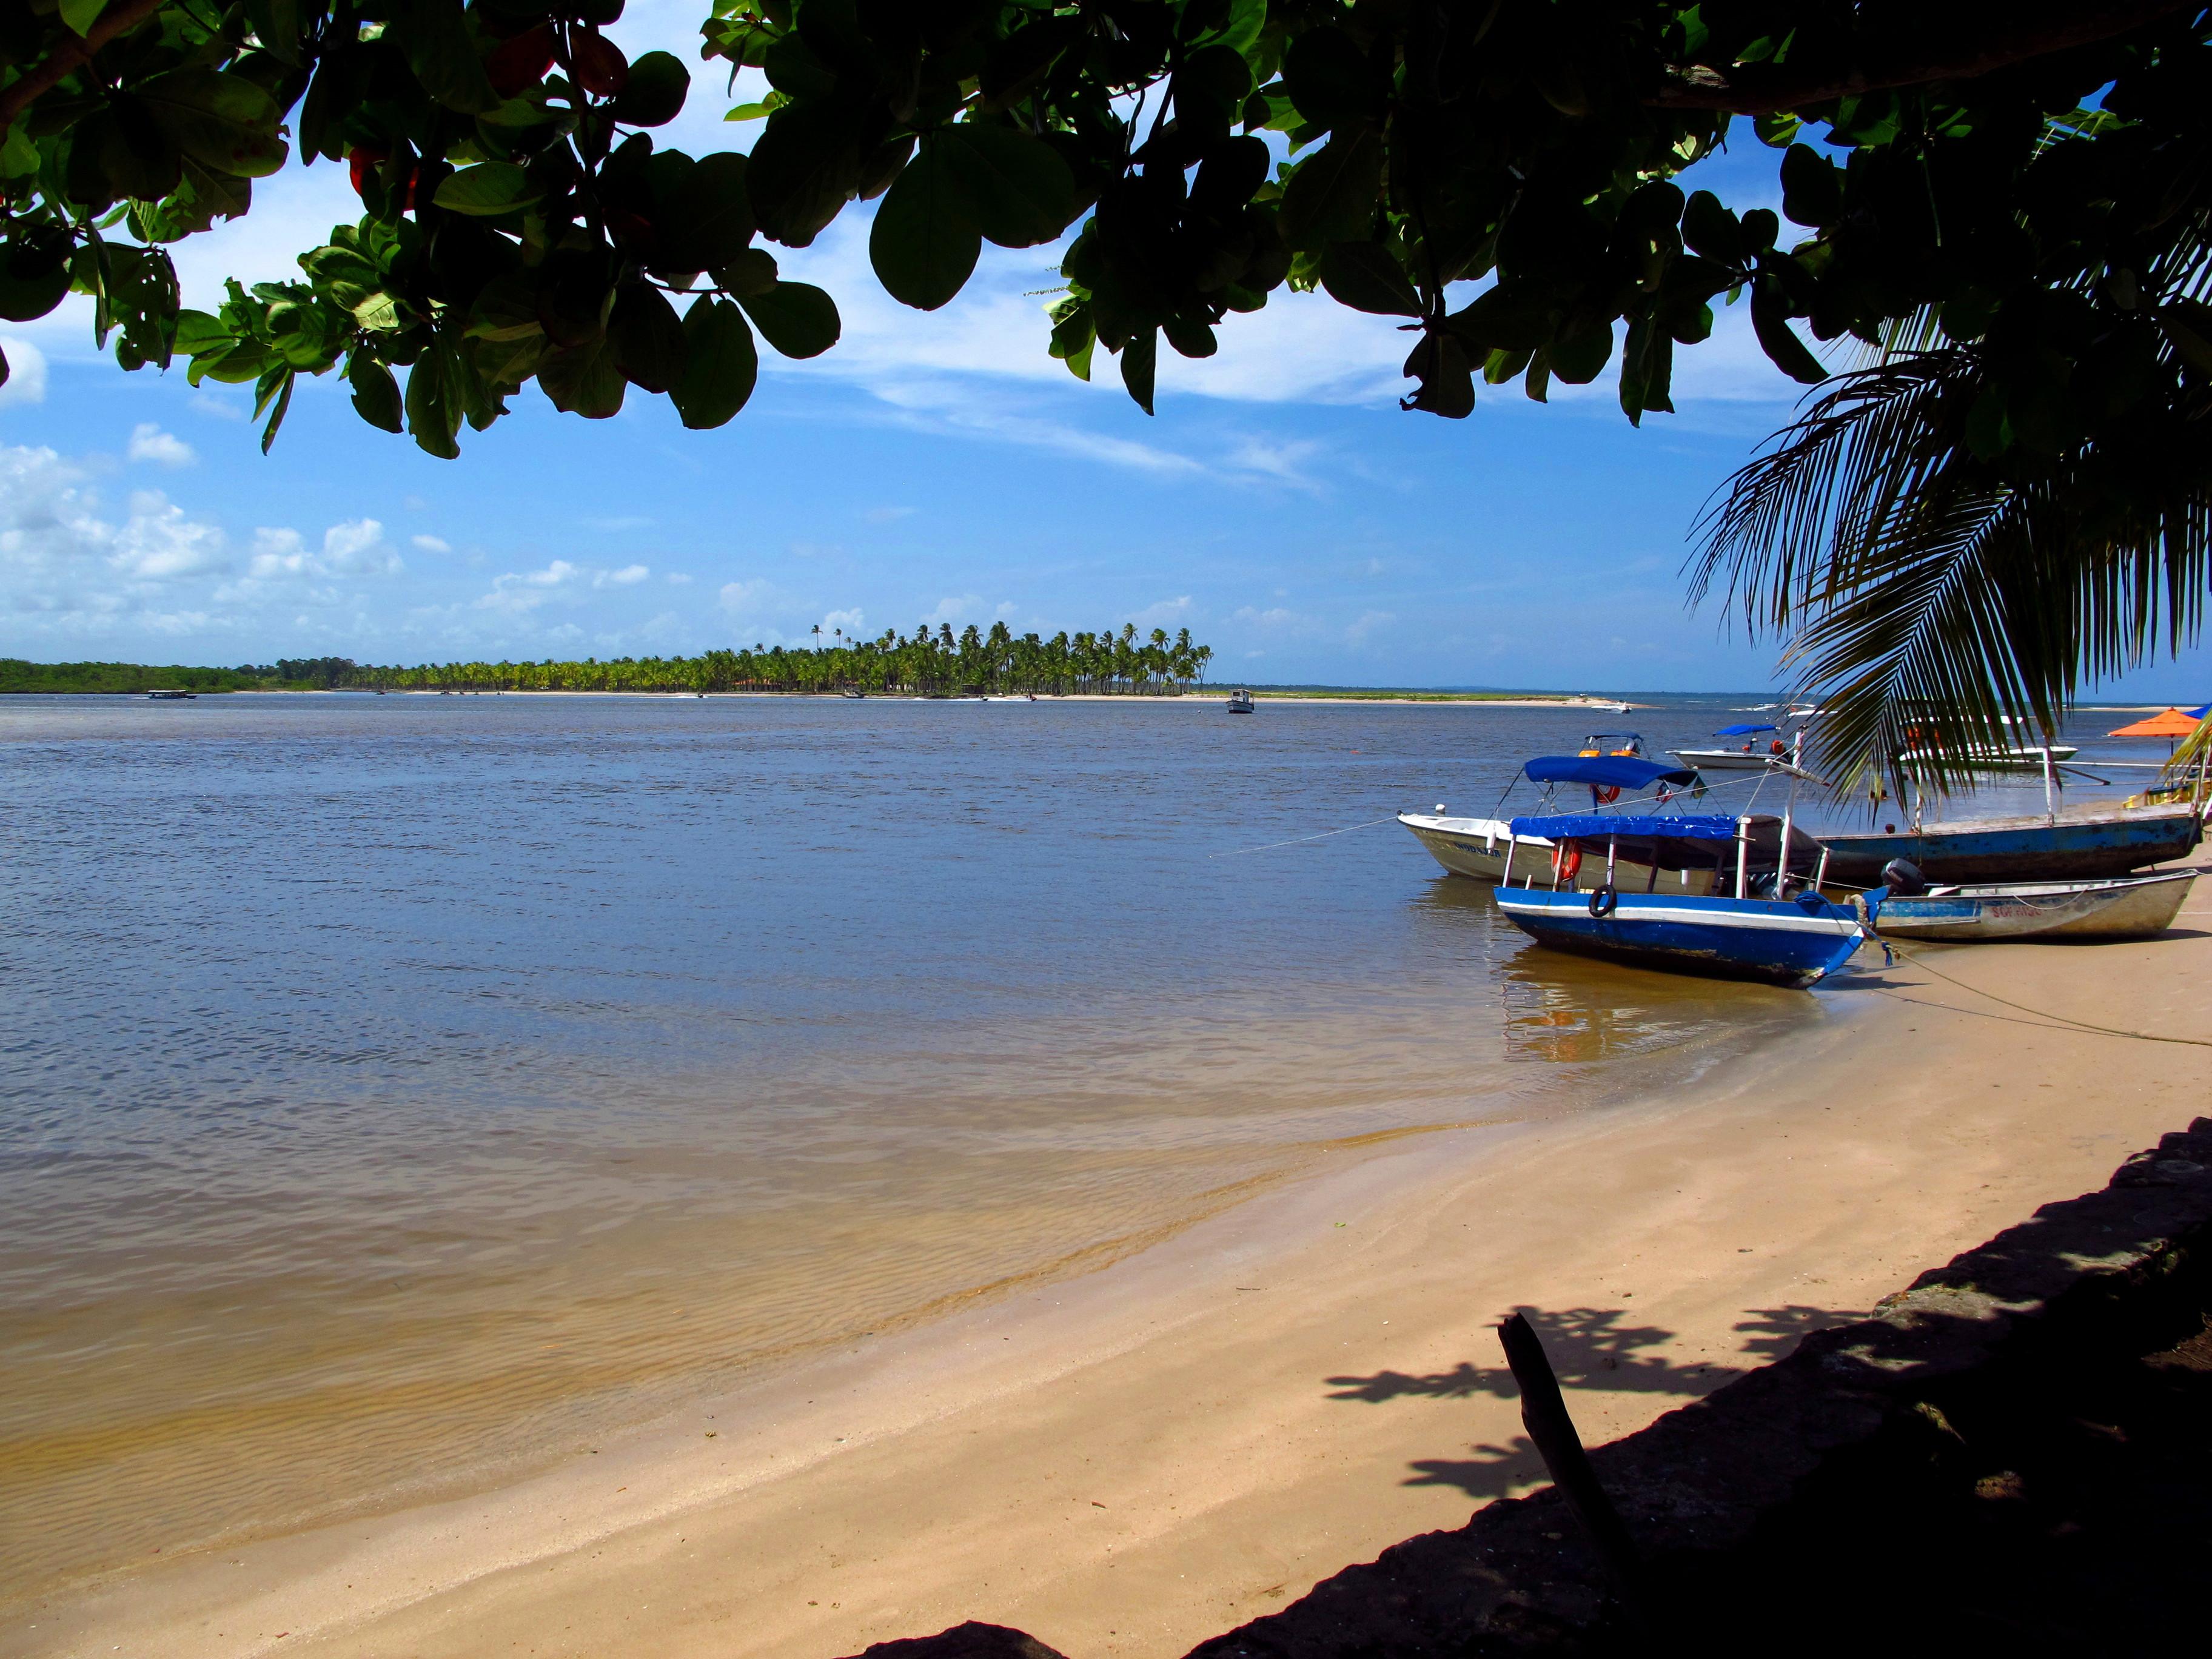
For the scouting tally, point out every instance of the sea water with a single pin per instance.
(400, 1092)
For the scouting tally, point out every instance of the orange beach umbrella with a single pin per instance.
(2170, 724)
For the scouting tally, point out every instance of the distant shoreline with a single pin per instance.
(1209, 698)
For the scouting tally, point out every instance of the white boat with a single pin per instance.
(1240, 702)
(1984, 758)
(2132, 907)
(1758, 753)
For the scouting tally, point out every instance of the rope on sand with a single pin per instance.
(1235, 852)
(1919, 961)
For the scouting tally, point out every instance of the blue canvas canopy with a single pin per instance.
(1605, 771)
(1743, 731)
(1596, 826)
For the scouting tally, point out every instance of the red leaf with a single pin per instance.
(520, 62)
(601, 69)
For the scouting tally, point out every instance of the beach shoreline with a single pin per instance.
(1129, 1461)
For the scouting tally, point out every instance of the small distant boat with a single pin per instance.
(853, 694)
(2081, 843)
(1752, 756)
(2132, 907)
(1240, 701)
(1029, 696)
(171, 694)
(1778, 941)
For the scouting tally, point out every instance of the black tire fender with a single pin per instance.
(1604, 901)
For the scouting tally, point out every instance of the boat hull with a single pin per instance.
(1728, 759)
(1773, 941)
(2088, 847)
(1475, 847)
(2135, 908)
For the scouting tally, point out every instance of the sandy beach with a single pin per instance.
(1128, 1462)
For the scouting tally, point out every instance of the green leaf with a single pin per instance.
(648, 337)
(1326, 74)
(32, 281)
(751, 272)
(198, 333)
(1139, 359)
(1331, 196)
(702, 215)
(721, 365)
(1577, 358)
(654, 93)
(435, 35)
(1367, 277)
(797, 318)
(276, 26)
(1812, 187)
(82, 15)
(925, 240)
(283, 390)
(375, 393)
(1019, 192)
(583, 379)
(802, 170)
(225, 122)
(379, 312)
(487, 191)
(505, 308)
(3, 368)
(1787, 352)
(434, 414)
(1711, 229)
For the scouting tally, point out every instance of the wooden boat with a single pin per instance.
(1778, 941)
(171, 694)
(1240, 702)
(2080, 843)
(2132, 907)
(1476, 847)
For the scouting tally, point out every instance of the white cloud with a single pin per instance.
(1166, 613)
(1276, 617)
(956, 611)
(628, 575)
(432, 544)
(677, 579)
(66, 568)
(747, 598)
(1360, 631)
(26, 372)
(355, 548)
(851, 621)
(149, 443)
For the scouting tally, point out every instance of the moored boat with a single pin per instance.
(1987, 757)
(2130, 907)
(1779, 941)
(171, 694)
(1240, 701)
(2073, 844)
(1760, 752)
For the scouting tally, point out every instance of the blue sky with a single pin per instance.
(934, 466)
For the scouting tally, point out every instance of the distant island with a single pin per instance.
(930, 662)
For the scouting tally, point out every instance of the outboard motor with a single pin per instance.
(1903, 878)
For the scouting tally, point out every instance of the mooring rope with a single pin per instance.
(1295, 839)
(1922, 962)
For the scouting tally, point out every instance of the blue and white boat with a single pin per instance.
(1795, 941)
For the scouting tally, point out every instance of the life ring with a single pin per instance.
(1608, 795)
(1566, 863)
(1604, 901)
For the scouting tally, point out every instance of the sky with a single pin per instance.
(933, 467)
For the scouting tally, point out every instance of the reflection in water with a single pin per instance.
(1572, 1010)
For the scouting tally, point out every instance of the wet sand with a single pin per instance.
(1128, 1462)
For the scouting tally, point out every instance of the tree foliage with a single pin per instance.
(928, 663)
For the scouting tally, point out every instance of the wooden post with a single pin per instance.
(1544, 1414)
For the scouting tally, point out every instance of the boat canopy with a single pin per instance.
(1743, 731)
(1605, 771)
(1691, 826)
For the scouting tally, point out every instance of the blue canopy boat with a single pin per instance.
(1476, 846)
(1779, 940)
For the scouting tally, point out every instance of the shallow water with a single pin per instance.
(402, 1091)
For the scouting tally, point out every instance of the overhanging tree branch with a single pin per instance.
(71, 54)
(1763, 88)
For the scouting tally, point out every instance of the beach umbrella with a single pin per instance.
(2173, 723)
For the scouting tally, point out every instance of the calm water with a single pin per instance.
(399, 1090)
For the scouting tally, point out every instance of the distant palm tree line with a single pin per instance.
(926, 663)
